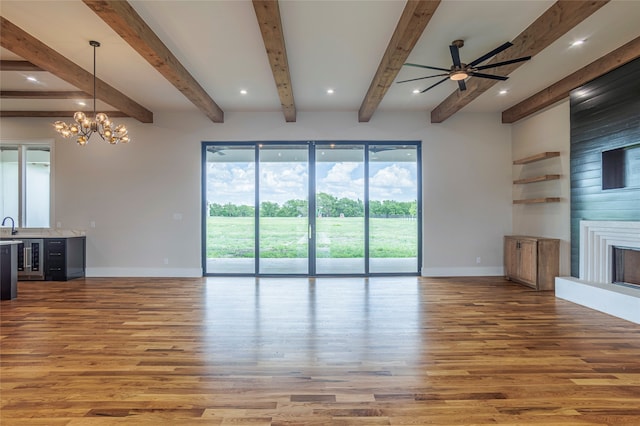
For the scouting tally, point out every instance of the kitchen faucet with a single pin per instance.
(13, 225)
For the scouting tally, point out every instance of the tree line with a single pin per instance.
(326, 206)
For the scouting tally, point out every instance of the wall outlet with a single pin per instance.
(177, 216)
(58, 224)
(165, 260)
(478, 260)
(92, 224)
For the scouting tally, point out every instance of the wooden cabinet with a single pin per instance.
(532, 261)
(535, 179)
(64, 258)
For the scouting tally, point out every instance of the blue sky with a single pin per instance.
(234, 182)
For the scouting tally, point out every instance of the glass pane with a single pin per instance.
(393, 196)
(284, 220)
(339, 209)
(9, 199)
(37, 186)
(230, 224)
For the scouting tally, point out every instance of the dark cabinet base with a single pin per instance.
(64, 258)
(8, 272)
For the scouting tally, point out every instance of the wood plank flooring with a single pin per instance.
(353, 351)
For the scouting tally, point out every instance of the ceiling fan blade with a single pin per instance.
(499, 64)
(462, 85)
(422, 78)
(427, 67)
(434, 85)
(455, 55)
(491, 76)
(490, 54)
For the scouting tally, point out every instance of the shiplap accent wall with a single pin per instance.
(605, 115)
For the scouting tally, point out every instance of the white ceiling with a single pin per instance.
(330, 44)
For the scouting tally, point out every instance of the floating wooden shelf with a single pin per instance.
(537, 157)
(536, 179)
(538, 200)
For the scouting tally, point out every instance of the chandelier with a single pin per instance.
(84, 126)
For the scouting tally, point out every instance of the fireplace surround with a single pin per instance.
(595, 287)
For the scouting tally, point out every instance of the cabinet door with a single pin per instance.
(510, 257)
(528, 260)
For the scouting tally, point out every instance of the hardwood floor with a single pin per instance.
(382, 351)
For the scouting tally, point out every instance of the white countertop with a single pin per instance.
(42, 233)
(6, 243)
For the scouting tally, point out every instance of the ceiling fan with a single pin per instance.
(460, 71)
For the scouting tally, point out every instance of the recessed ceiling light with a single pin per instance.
(81, 103)
(32, 79)
(243, 92)
(416, 91)
(503, 92)
(577, 43)
(330, 91)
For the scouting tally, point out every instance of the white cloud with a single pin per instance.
(340, 173)
(279, 182)
(393, 183)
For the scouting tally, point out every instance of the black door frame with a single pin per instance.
(311, 204)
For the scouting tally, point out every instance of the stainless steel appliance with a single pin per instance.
(30, 259)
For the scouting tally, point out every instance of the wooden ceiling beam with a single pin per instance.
(414, 19)
(268, 14)
(10, 65)
(125, 21)
(556, 21)
(33, 94)
(41, 55)
(55, 114)
(270, 22)
(562, 88)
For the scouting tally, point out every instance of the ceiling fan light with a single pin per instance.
(458, 75)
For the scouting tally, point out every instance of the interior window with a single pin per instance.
(25, 191)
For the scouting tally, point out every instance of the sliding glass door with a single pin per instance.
(311, 208)
(229, 192)
(283, 223)
(340, 224)
(393, 208)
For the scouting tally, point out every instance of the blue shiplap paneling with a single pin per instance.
(605, 114)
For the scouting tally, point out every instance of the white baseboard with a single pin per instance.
(145, 272)
(480, 271)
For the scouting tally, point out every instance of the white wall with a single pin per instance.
(548, 130)
(133, 192)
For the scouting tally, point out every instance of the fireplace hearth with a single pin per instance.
(601, 242)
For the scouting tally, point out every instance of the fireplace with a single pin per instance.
(626, 266)
(609, 278)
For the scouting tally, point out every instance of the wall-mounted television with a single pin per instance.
(621, 167)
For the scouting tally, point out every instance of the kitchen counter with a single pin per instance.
(41, 233)
(48, 254)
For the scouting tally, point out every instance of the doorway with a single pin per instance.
(311, 208)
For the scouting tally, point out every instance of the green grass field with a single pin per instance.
(286, 237)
